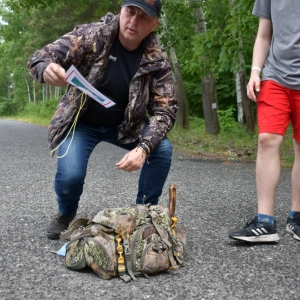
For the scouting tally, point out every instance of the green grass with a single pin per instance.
(233, 143)
(31, 119)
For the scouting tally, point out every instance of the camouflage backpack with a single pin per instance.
(137, 240)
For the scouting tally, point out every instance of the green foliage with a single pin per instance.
(7, 107)
(43, 110)
(31, 24)
(193, 91)
(233, 144)
(227, 121)
(230, 34)
(17, 5)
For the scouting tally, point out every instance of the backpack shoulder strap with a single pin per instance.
(81, 222)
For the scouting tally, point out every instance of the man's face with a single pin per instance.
(135, 25)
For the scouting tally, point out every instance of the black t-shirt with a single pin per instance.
(121, 67)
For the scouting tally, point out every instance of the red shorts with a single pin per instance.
(277, 106)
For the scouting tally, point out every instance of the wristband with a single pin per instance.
(144, 147)
(256, 68)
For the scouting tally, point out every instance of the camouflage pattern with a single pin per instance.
(75, 258)
(154, 262)
(151, 91)
(100, 254)
(149, 254)
(161, 215)
(153, 246)
(138, 244)
(123, 220)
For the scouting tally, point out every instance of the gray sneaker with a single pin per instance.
(59, 224)
(293, 226)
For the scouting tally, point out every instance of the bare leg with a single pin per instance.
(296, 179)
(268, 171)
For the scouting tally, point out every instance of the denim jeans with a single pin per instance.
(72, 166)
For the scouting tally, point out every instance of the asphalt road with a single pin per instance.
(213, 198)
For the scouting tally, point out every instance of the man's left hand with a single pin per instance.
(133, 160)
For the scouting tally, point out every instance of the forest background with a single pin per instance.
(209, 43)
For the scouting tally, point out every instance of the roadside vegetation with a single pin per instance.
(210, 55)
(233, 143)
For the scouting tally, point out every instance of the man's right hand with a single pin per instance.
(54, 74)
(253, 86)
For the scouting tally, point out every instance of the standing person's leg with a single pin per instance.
(295, 179)
(267, 171)
(73, 155)
(274, 115)
(293, 220)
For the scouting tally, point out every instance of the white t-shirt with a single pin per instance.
(283, 60)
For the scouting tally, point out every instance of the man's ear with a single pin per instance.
(156, 23)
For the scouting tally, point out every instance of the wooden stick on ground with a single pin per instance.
(172, 200)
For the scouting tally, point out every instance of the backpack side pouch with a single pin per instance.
(179, 243)
(149, 252)
(100, 254)
(75, 258)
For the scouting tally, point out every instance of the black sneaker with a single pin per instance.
(57, 225)
(293, 226)
(256, 231)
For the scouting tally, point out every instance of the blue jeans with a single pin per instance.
(71, 168)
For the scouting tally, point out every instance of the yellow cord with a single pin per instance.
(72, 127)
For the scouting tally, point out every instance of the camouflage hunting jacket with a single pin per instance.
(151, 91)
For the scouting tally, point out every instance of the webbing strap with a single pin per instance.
(66, 234)
(162, 232)
(126, 278)
(180, 261)
(127, 254)
(82, 222)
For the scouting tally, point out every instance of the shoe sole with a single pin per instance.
(295, 236)
(52, 236)
(258, 239)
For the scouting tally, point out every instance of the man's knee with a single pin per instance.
(297, 147)
(269, 141)
(68, 183)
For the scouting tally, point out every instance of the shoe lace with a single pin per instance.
(295, 221)
(251, 224)
(61, 219)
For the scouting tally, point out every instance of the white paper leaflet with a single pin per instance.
(75, 78)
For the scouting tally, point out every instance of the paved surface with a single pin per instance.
(212, 199)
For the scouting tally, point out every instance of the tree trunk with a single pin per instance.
(44, 91)
(209, 92)
(9, 82)
(28, 90)
(56, 92)
(8, 88)
(239, 101)
(183, 111)
(50, 92)
(247, 103)
(244, 104)
(210, 105)
(34, 91)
